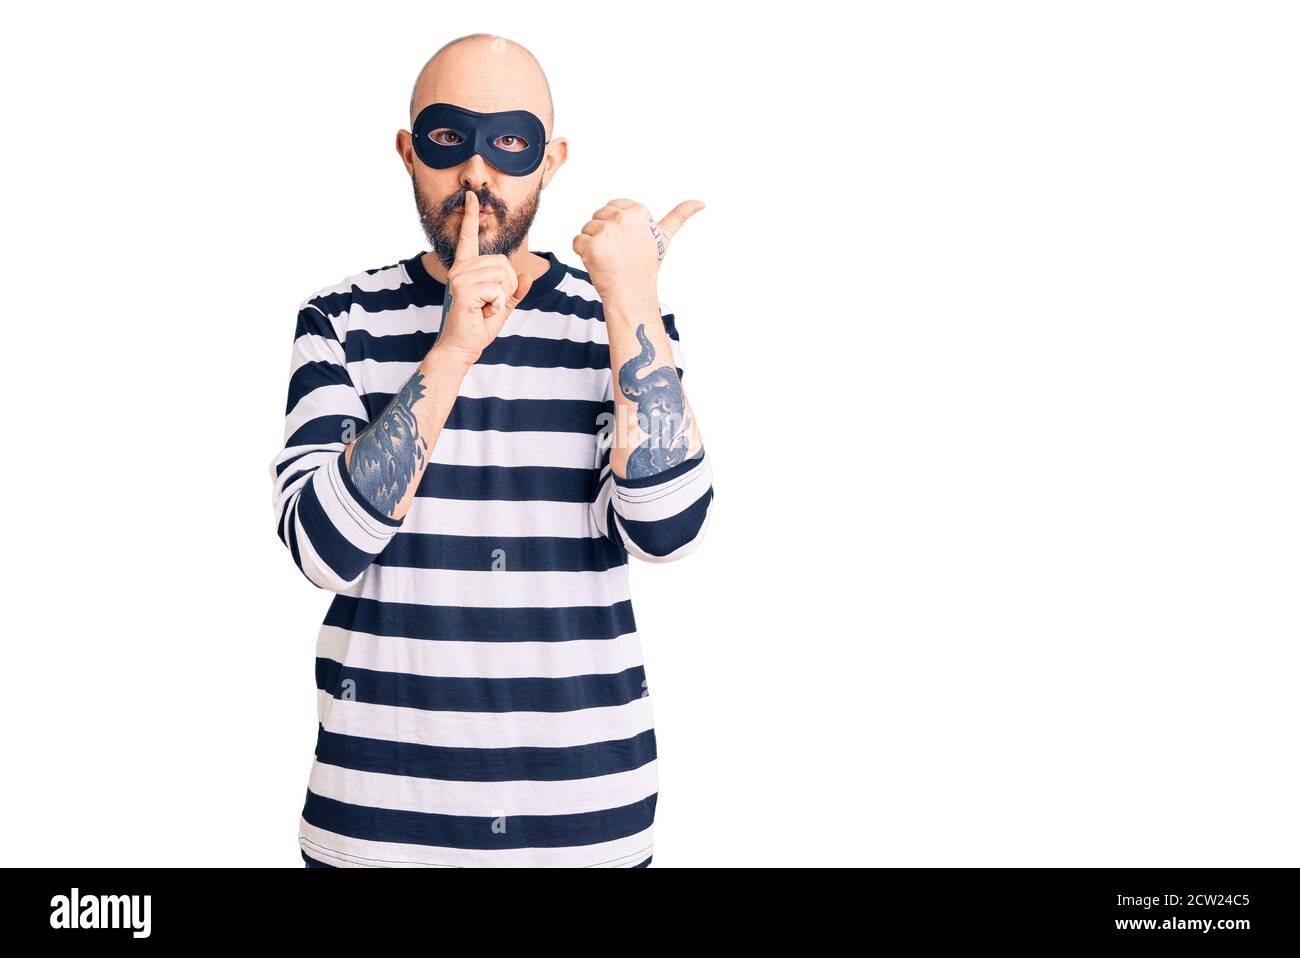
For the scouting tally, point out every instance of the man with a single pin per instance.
(476, 440)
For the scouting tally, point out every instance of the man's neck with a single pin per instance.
(524, 263)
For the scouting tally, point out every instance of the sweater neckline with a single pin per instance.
(543, 285)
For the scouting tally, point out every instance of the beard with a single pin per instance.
(513, 225)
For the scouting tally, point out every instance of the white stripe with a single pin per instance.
(494, 517)
(392, 277)
(347, 852)
(483, 799)
(315, 348)
(491, 380)
(486, 660)
(547, 324)
(397, 321)
(600, 508)
(342, 286)
(572, 285)
(312, 458)
(471, 447)
(533, 382)
(333, 400)
(492, 590)
(554, 325)
(394, 723)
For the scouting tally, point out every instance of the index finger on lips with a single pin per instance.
(467, 245)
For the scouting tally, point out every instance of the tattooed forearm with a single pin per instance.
(661, 412)
(387, 456)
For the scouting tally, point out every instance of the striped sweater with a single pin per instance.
(482, 699)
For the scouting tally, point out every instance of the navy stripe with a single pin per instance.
(311, 322)
(431, 693)
(510, 415)
(515, 624)
(332, 304)
(579, 272)
(465, 831)
(447, 764)
(414, 550)
(506, 351)
(611, 527)
(571, 305)
(324, 430)
(292, 526)
(283, 524)
(311, 376)
(511, 483)
(665, 536)
(528, 351)
(526, 415)
(334, 549)
(534, 351)
(381, 300)
(293, 545)
(397, 348)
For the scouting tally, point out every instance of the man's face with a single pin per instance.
(496, 100)
(507, 207)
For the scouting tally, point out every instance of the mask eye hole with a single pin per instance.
(445, 136)
(511, 143)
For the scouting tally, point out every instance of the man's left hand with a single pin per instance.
(621, 246)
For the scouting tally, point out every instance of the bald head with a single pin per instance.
(487, 74)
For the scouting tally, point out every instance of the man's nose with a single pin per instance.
(475, 173)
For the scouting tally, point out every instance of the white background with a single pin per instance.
(991, 327)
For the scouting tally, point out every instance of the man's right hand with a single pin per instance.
(484, 290)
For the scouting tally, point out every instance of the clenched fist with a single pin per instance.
(483, 291)
(621, 245)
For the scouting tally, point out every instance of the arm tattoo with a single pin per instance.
(661, 412)
(387, 455)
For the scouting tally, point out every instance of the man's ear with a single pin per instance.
(557, 151)
(406, 150)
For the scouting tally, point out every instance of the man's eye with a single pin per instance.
(445, 137)
(511, 143)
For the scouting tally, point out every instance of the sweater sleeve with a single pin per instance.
(661, 517)
(331, 531)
